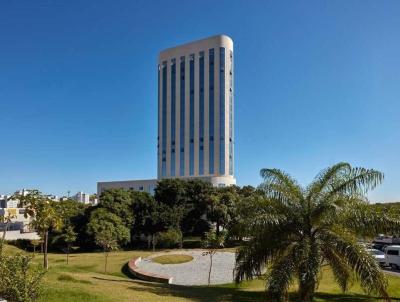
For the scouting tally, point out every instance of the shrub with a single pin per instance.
(19, 280)
(169, 239)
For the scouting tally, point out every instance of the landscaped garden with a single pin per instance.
(292, 242)
(83, 279)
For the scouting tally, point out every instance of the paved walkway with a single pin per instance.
(194, 272)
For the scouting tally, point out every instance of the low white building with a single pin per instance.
(18, 220)
(7, 202)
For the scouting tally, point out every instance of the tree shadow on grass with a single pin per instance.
(350, 297)
(125, 271)
(228, 293)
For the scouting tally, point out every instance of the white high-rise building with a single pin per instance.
(195, 115)
(195, 112)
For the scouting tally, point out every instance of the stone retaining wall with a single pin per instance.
(140, 274)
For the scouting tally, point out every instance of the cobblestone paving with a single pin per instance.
(194, 272)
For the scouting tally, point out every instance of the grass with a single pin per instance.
(172, 259)
(83, 280)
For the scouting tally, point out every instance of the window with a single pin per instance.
(231, 114)
(201, 112)
(173, 113)
(164, 118)
(191, 116)
(141, 188)
(211, 110)
(182, 119)
(393, 252)
(222, 110)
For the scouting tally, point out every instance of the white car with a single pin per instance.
(393, 256)
(378, 255)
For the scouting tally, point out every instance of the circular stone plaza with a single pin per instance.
(194, 272)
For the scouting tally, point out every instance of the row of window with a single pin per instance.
(182, 110)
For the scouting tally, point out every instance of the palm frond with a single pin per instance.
(358, 181)
(266, 243)
(364, 266)
(362, 219)
(340, 268)
(281, 187)
(326, 178)
(280, 275)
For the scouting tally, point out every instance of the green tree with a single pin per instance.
(35, 243)
(221, 207)
(147, 216)
(108, 230)
(302, 228)
(44, 217)
(212, 242)
(69, 237)
(5, 220)
(119, 202)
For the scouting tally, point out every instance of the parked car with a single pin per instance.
(379, 246)
(378, 255)
(392, 256)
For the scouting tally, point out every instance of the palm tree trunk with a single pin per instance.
(307, 290)
(45, 259)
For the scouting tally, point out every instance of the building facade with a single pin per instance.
(195, 110)
(195, 115)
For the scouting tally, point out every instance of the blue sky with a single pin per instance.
(316, 82)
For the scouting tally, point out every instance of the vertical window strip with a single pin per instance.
(222, 110)
(164, 119)
(211, 110)
(182, 118)
(191, 113)
(173, 115)
(158, 129)
(201, 114)
(231, 114)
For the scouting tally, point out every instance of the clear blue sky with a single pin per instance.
(316, 82)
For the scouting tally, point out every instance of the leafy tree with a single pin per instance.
(19, 280)
(35, 243)
(69, 237)
(212, 241)
(119, 202)
(5, 221)
(246, 208)
(171, 192)
(198, 195)
(221, 207)
(109, 231)
(171, 197)
(72, 214)
(45, 217)
(169, 239)
(302, 228)
(147, 216)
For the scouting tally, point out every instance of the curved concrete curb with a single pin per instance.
(140, 274)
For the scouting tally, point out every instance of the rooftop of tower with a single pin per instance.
(195, 46)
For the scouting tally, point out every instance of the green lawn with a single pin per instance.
(83, 280)
(172, 259)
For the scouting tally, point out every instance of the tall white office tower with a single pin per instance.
(195, 111)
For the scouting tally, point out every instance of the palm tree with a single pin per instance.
(301, 229)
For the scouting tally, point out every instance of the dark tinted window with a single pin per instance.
(393, 252)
